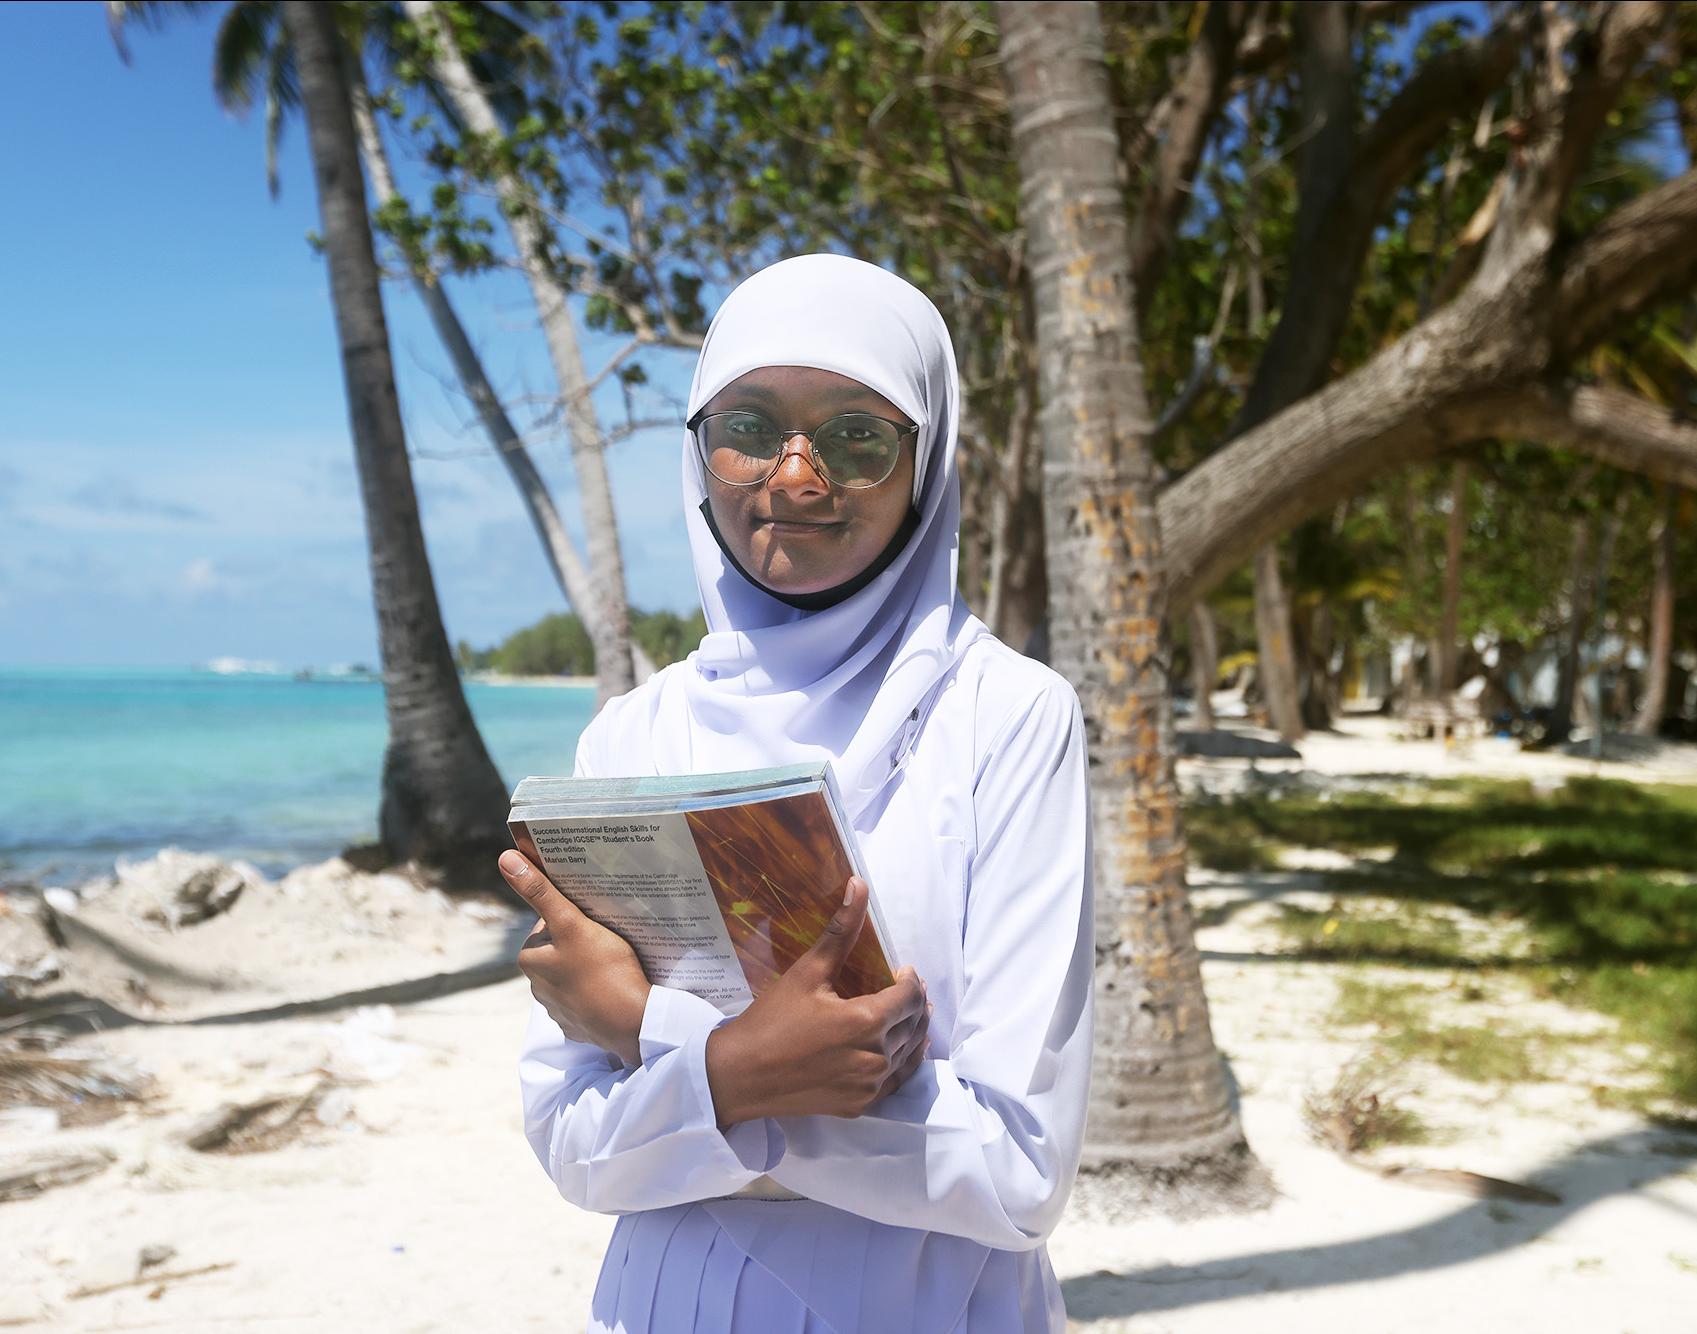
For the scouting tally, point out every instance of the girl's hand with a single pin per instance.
(587, 977)
(801, 1049)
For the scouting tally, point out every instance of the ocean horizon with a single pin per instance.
(102, 763)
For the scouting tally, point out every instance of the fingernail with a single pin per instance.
(848, 893)
(928, 1008)
(512, 863)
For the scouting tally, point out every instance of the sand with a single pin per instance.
(411, 1202)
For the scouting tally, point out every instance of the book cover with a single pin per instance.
(719, 883)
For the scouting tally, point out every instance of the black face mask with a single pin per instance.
(828, 597)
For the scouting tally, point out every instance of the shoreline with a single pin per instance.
(487, 678)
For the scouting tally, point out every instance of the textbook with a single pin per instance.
(718, 881)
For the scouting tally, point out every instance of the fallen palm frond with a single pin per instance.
(21, 1179)
(258, 1125)
(82, 1084)
(1359, 1112)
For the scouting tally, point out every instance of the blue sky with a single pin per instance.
(176, 475)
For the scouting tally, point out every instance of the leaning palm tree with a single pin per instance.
(253, 62)
(475, 108)
(442, 798)
(1159, 1100)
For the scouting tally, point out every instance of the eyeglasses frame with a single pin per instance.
(784, 438)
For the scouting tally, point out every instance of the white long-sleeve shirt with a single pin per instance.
(928, 1212)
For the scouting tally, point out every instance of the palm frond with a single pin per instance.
(282, 94)
(242, 48)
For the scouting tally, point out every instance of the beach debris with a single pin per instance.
(18, 979)
(1356, 1114)
(82, 1084)
(1359, 1111)
(366, 1048)
(257, 1125)
(21, 1178)
(62, 900)
(1457, 1181)
(175, 888)
(29, 1120)
(158, 1277)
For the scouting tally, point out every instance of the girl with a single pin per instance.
(893, 1162)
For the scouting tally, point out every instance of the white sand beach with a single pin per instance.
(403, 1197)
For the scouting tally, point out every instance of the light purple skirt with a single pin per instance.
(678, 1271)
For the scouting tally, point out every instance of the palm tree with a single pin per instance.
(609, 619)
(253, 61)
(442, 798)
(1159, 1100)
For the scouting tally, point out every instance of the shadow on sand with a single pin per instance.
(1594, 1171)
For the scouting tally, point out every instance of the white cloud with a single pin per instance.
(201, 576)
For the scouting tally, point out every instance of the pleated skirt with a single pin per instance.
(678, 1271)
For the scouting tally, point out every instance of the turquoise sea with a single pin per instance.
(97, 764)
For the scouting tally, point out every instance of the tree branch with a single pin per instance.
(1643, 252)
(1612, 425)
(1185, 117)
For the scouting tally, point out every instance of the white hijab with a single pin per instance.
(771, 684)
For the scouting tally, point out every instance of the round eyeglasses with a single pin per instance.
(744, 449)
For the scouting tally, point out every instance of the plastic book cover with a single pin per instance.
(778, 870)
(719, 899)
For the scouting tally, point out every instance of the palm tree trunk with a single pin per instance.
(1159, 1103)
(1648, 720)
(442, 798)
(613, 665)
(568, 567)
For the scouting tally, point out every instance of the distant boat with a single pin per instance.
(241, 667)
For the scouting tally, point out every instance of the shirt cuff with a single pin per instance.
(671, 1018)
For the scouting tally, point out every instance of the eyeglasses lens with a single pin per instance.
(856, 450)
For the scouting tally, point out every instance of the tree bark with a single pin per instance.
(613, 664)
(1448, 631)
(1648, 720)
(1159, 1101)
(1578, 614)
(1204, 664)
(1277, 658)
(442, 798)
(1600, 583)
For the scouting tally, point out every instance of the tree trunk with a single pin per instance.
(1277, 658)
(1600, 583)
(613, 664)
(1159, 1101)
(1448, 631)
(1578, 613)
(568, 567)
(1317, 693)
(1204, 664)
(1648, 720)
(442, 798)
(1018, 596)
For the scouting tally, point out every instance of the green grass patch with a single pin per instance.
(1599, 875)
(1414, 935)
(1491, 1053)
